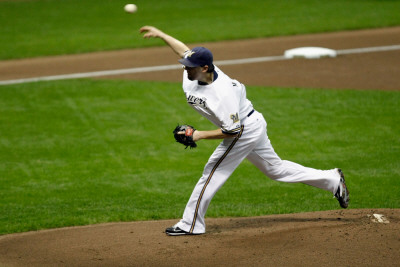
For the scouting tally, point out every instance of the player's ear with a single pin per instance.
(204, 68)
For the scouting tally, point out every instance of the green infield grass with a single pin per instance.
(52, 27)
(81, 152)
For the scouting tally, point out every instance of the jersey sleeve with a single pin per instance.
(232, 132)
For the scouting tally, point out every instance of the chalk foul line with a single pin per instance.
(178, 66)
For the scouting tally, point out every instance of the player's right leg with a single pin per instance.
(265, 158)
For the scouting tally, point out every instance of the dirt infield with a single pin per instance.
(329, 238)
(378, 70)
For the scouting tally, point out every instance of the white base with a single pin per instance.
(310, 52)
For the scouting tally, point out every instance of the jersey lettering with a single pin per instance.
(196, 101)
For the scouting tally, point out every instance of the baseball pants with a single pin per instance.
(252, 143)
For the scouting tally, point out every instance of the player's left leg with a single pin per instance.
(219, 167)
(225, 159)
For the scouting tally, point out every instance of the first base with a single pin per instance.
(310, 52)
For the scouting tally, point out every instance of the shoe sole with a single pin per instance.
(342, 200)
(179, 233)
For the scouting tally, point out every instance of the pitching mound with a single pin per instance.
(328, 238)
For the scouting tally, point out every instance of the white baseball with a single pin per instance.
(130, 8)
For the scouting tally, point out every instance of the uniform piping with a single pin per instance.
(211, 175)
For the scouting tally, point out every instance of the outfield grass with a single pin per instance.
(52, 27)
(81, 152)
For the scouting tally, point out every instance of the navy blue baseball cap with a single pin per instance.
(198, 57)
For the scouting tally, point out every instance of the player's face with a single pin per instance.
(194, 73)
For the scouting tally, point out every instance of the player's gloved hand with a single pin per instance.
(184, 134)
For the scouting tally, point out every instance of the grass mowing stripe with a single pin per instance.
(80, 152)
(50, 27)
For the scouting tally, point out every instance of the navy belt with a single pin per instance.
(251, 112)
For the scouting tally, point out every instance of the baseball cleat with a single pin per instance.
(174, 231)
(342, 193)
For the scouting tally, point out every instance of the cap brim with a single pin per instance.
(187, 63)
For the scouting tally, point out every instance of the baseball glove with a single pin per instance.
(184, 134)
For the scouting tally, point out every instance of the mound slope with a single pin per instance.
(327, 238)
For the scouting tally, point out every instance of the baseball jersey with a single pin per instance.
(223, 102)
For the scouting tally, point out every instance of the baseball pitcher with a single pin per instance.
(243, 130)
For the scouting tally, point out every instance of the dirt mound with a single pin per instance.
(327, 238)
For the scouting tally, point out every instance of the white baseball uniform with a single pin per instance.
(225, 104)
